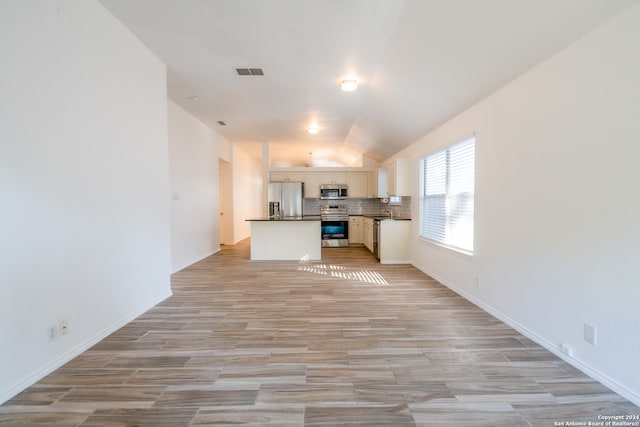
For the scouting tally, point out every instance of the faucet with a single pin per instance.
(388, 211)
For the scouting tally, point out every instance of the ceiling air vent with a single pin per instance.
(249, 71)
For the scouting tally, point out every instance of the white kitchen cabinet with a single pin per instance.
(286, 240)
(355, 224)
(312, 181)
(278, 176)
(358, 184)
(320, 177)
(367, 233)
(395, 241)
(399, 177)
(287, 176)
(391, 179)
(336, 177)
(296, 176)
(328, 177)
(377, 185)
(362, 184)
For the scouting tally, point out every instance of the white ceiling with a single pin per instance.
(418, 64)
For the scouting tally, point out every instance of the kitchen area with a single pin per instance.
(308, 210)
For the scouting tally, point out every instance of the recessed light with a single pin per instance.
(221, 123)
(349, 85)
(313, 130)
(194, 98)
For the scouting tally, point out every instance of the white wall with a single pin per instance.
(225, 150)
(557, 206)
(248, 199)
(84, 182)
(193, 159)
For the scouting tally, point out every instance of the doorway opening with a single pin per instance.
(225, 193)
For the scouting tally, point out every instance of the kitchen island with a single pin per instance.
(297, 239)
(394, 237)
(388, 238)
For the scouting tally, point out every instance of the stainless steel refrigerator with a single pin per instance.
(285, 199)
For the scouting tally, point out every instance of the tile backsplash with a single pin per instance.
(360, 206)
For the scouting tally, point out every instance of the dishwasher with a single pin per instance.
(376, 238)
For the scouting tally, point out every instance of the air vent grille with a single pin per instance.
(249, 71)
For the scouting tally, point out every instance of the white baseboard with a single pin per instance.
(621, 389)
(45, 370)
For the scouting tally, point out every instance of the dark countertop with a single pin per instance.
(318, 218)
(297, 218)
(383, 217)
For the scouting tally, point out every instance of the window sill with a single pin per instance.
(457, 250)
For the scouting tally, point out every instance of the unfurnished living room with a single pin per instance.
(319, 212)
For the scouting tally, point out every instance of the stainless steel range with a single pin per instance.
(334, 225)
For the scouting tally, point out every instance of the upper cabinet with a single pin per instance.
(378, 183)
(399, 177)
(336, 177)
(287, 176)
(312, 181)
(382, 182)
(358, 183)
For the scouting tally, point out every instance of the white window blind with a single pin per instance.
(448, 182)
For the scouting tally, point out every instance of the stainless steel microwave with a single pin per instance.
(333, 191)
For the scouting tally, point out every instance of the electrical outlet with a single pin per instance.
(477, 282)
(63, 327)
(590, 334)
(52, 332)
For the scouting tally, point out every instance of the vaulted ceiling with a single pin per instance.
(418, 63)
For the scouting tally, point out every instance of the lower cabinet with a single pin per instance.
(367, 232)
(355, 235)
(395, 238)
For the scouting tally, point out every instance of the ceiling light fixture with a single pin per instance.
(194, 98)
(313, 130)
(349, 85)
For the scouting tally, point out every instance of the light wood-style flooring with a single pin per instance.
(340, 342)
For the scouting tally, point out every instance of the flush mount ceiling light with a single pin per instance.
(349, 85)
(313, 130)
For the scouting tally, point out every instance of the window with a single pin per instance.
(448, 181)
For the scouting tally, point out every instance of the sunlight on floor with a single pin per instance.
(342, 272)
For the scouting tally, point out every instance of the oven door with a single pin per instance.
(335, 232)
